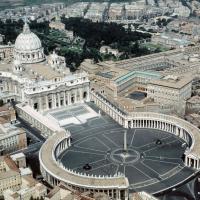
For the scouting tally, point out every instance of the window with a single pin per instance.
(85, 95)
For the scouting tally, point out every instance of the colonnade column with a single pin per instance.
(40, 104)
(80, 95)
(58, 96)
(64, 98)
(68, 99)
(75, 97)
(53, 101)
(47, 102)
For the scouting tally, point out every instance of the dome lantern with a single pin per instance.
(26, 28)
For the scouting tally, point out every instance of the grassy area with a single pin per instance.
(154, 47)
(58, 39)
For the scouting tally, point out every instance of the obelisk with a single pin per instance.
(125, 142)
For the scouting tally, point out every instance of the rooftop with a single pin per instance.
(8, 129)
(132, 74)
(8, 174)
(173, 82)
(17, 156)
(10, 166)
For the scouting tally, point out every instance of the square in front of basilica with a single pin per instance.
(73, 114)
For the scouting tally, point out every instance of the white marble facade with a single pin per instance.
(43, 84)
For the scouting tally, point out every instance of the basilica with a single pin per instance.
(43, 82)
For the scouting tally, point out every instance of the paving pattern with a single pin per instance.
(148, 166)
(69, 112)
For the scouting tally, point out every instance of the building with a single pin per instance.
(134, 11)
(109, 50)
(143, 196)
(57, 24)
(116, 11)
(176, 69)
(19, 159)
(6, 52)
(7, 114)
(171, 90)
(11, 138)
(29, 188)
(1, 38)
(97, 12)
(16, 181)
(43, 85)
(171, 40)
(182, 11)
(193, 104)
(62, 192)
(76, 9)
(70, 34)
(9, 174)
(118, 85)
(57, 62)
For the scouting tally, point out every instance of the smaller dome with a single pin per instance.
(17, 63)
(54, 55)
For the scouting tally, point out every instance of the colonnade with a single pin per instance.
(113, 193)
(117, 114)
(59, 146)
(171, 124)
(192, 161)
(62, 146)
(160, 125)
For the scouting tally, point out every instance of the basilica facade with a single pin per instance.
(43, 82)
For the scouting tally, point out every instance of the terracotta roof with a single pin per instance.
(53, 192)
(31, 181)
(11, 164)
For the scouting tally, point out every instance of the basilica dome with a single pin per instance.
(28, 47)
